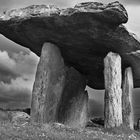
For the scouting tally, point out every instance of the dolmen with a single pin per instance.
(86, 45)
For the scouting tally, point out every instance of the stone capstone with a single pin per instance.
(59, 91)
(84, 34)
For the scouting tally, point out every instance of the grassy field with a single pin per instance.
(28, 131)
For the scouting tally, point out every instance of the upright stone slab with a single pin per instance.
(138, 124)
(113, 91)
(74, 101)
(48, 86)
(128, 115)
(58, 92)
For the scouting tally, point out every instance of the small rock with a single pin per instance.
(19, 117)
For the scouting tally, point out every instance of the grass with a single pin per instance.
(28, 131)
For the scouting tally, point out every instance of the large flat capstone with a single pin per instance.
(84, 35)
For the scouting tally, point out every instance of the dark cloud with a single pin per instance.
(6, 75)
(5, 99)
(95, 109)
(7, 71)
(13, 98)
(17, 74)
(18, 65)
(16, 78)
(25, 63)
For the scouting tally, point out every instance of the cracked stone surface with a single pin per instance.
(84, 34)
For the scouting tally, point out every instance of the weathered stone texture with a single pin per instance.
(113, 91)
(84, 35)
(49, 84)
(127, 106)
(59, 91)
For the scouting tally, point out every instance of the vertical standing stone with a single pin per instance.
(58, 92)
(127, 112)
(113, 91)
(138, 124)
(48, 86)
(74, 101)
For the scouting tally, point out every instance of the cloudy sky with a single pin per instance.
(18, 65)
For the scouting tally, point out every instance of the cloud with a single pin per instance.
(19, 64)
(6, 75)
(6, 60)
(12, 96)
(16, 94)
(25, 63)
(7, 67)
(17, 74)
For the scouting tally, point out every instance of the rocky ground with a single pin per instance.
(24, 130)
